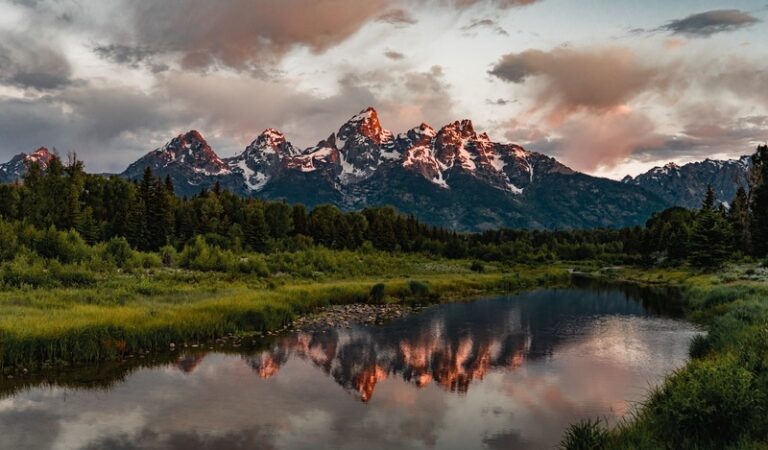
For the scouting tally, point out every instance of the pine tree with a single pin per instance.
(75, 183)
(709, 239)
(738, 217)
(135, 221)
(159, 216)
(279, 219)
(758, 202)
(256, 230)
(300, 220)
(169, 184)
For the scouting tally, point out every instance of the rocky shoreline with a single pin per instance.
(346, 316)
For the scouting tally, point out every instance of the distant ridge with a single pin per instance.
(452, 177)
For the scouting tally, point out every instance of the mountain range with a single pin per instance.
(452, 177)
(683, 185)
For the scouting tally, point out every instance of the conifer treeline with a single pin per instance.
(715, 233)
(150, 216)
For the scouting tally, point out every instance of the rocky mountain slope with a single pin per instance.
(684, 185)
(452, 176)
(15, 169)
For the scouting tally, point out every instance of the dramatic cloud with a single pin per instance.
(402, 100)
(594, 105)
(244, 34)
(89, 120)
(590, 142)
(711, 22)
(710, 131)
(31, 62)
(233, 67)
(567, 80)
(130, 56)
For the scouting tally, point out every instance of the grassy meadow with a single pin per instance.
(75, 313)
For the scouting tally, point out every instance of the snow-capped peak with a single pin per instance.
(16, 168)
(270, 141)
(365, 124)
(41, 155)
(191, 149)
(272, 137)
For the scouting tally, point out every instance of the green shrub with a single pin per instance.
(141, 260)
(378, 293)
(199, 255)
(118, 250)
(253, 264)
(700, 346)
(70, 275)
(10, 242)
(26, 270)
(719, 295)
(477, 266)
(706, 404)
(65, 246)
(418, 288)
(168, 255)
(585, 435)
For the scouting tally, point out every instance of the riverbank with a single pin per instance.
(719, 399)
(143, 312)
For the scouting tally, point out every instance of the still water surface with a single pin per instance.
(498, 373)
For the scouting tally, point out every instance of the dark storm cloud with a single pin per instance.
(92, 121)
(29, 63)
(707, 23)
(125, 54)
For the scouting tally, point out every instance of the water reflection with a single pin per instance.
(456, 344)
(497, 373)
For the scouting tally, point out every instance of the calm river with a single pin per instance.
(505, 372)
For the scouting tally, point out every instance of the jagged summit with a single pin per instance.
(453, 176)
(188, 159)
(271, 141)
(42, 155)
(189, 147)
(358, 151)
(17, 167)
(366, 123)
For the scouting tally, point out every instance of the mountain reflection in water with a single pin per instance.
(497, 373)
(449, 350)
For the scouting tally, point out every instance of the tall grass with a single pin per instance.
(121, 314)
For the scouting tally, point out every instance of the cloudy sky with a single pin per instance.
(610, 87)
